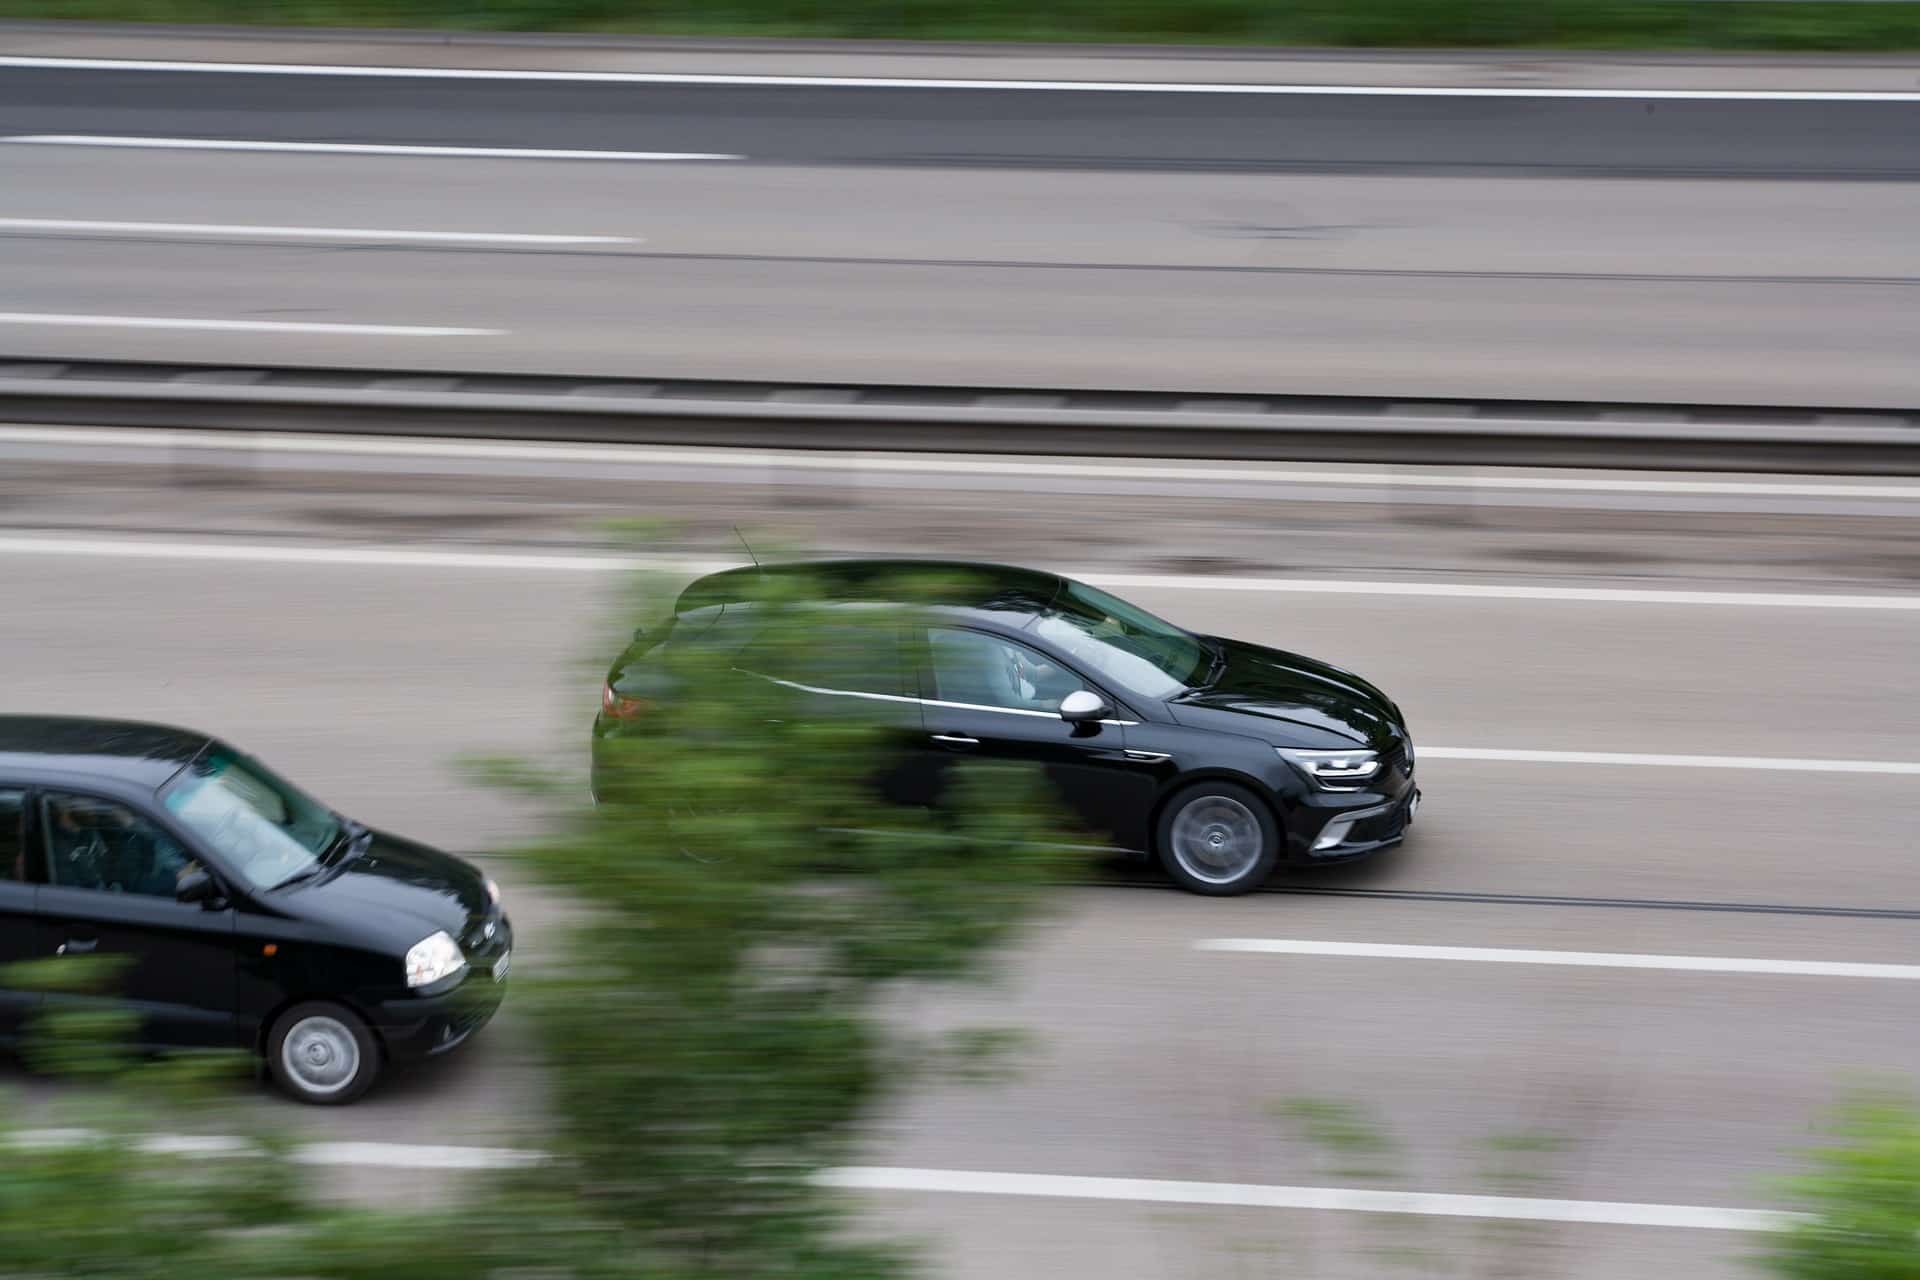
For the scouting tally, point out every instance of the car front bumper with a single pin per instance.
(1354, 833)
(1339, 826)
(426, 1024)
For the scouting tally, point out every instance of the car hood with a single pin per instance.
(1289, 700)
(397, 891)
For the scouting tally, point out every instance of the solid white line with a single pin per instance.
(1265, 1196)
(267, 553)
(241, 326)
(299, 233)
(272, 553)
(1575, 959)
(347, 148)
(645, 455)
(394, 1155)
(1479, 591)
(1777, 763)
(910, 82)
(390, 1155)
(386, 1155)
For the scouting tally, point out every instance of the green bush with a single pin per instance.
(1861, 1200)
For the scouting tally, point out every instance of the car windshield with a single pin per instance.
(262, 827)
(1123, 644)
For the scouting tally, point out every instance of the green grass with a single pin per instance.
(1767, 25)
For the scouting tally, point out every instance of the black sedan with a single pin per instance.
(249, 914)
(1222, 759)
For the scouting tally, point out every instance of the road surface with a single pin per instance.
(1730, 251)
(305, 615)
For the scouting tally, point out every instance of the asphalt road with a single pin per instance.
(1341, 244)
(816, 126)
(1152, 1058)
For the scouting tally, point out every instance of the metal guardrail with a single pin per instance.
(961, 419)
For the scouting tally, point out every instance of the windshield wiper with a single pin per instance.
(1218, 666)
(347, 844)
(357, 837)
(298, 877)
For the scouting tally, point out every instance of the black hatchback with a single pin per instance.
(246, 913)
(1220, 758)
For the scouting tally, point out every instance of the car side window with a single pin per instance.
(13, 835)
(105, 846)
(985, 670)
(832, 655)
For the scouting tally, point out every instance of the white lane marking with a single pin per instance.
(413, 1156)
(1266, 1196)
(259, 553)
(1575, 959)
(393, 1155)
(271, 553)
(1480, 591)
(910, 82)
(1779, 763)
(386, 1155)
(241, 326)
(347, 148)
(646, 455)
(300, 233)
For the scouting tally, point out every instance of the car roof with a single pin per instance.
(125, 750)
(985, 591)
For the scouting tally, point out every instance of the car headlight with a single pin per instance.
(493, 893)
(1334, 770)
(432, 959)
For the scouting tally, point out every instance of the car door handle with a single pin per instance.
(76, 946)
(956, 740)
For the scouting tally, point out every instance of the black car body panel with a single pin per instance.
(217, 973)
(1230, 722)
(394, 893)
(1304, 699)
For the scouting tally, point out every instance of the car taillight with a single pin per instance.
(620, 708)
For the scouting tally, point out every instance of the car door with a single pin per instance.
(989, 696)
(110, 891)
(17, 902)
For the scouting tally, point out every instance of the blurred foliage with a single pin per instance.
(1731, 24)
(1861, 1199)
(751, 900)
(86, 1192)
(755, 922)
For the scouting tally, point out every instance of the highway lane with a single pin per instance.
(1310, 283)
(995, 127)
(368, 680)
(493, 661)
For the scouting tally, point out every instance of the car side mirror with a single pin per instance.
(1083, 707)
(198, 886)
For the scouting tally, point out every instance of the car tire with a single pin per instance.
(322, 1054)
(1217, 838)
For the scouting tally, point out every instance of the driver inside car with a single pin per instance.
(1041, 684)
(102, 846)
